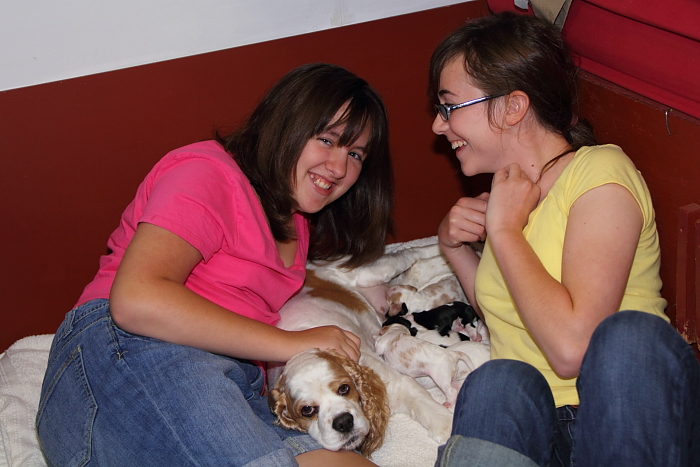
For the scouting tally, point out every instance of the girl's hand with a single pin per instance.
(330, 338)
(513, 197)
(464, 223)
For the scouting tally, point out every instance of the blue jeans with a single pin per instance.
(113, 398)
(639, 390)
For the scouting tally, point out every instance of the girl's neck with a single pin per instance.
(537, 150)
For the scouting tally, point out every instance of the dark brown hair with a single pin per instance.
(267, 147)
(505, 52)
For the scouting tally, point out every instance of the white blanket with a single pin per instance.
(22, 369)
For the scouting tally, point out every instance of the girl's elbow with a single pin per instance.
(122, 308)
(567, 364)
(117, 310)
(566, 371)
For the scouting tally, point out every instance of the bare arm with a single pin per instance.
(149, 298)
(464, 223)
(600, 241)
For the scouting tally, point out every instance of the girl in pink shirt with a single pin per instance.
(155, 365)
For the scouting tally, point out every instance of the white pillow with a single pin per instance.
(22, 368)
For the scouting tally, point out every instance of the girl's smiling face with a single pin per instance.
(474, 139)
(325, 170)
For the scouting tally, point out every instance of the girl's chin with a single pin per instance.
(311, 208)
(469, 171)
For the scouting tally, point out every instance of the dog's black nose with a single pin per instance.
(343, 423)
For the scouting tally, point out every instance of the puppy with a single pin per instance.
(430, 281)
(444, 325)
(477, 352)
(416, 358)
(452, 317)
(324, 302)
(448, 289)
(339, 403)
(402, 321)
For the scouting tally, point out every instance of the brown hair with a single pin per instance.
(267, 147)
(505, 52)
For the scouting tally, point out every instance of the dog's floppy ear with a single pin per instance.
(375, 403)
(279, 405)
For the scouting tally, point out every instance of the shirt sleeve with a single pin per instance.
(607, 164)
(193, 198)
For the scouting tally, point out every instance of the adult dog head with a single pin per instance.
(340, 403)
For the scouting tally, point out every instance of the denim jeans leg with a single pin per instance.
(114, 398)
(639, 388)
(563, 440)
(472, 452)
(508, 403)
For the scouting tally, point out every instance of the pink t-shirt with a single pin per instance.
(199, 193)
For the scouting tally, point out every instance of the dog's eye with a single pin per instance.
(308, 410)
(344, 389)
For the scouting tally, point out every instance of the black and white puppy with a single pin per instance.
(446, 324)
(451, 317)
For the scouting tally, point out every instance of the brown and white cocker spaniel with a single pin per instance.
(336, 296)
(340, 403)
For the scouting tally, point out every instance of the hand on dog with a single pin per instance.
(466, 222)
(329, 338)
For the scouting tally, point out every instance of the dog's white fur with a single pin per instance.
(416, 357)
(445, 290)
(428, 283)
(339, 403)
(478, 352)
(418, 276)
(324, 302)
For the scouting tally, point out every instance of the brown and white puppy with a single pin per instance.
(416, 357)
(478, 352)
(324, 302)
(429, 282)
(340, 403)
(445, 290)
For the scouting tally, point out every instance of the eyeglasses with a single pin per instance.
(444, 110)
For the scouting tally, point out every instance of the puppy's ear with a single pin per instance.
(279, 405)
(375, 404)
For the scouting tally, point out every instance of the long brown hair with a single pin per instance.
(505, 52)
(267, 147)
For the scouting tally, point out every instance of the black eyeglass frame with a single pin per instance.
(444, 110)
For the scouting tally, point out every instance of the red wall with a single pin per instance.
(665, 148)
(73, 152)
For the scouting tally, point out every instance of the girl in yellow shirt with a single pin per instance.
(571, 241)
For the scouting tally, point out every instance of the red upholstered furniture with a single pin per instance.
(650, 48)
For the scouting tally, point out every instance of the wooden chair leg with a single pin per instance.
(688, 272)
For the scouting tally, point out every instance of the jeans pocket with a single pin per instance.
(66, 414)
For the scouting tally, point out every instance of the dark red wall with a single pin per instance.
(73, 152)
(665, 147)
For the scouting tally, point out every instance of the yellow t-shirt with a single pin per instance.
(591, 167)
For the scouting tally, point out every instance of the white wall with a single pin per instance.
(51, 40)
